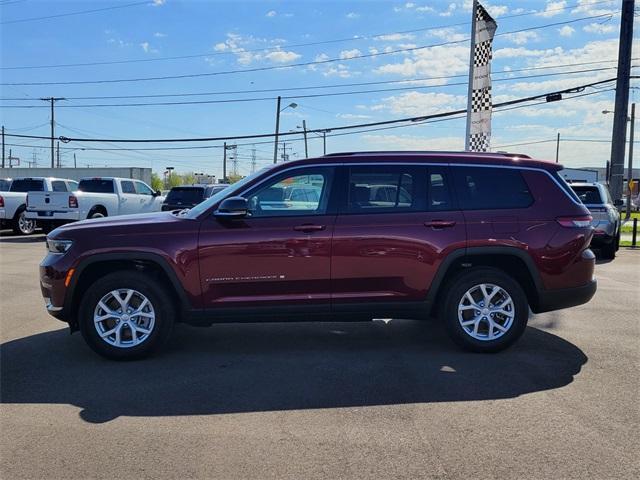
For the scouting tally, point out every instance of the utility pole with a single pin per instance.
(324, 142)
(558, 148)
(10, 157)
(304, 129)
(52, 100)
(253, 159)
(619, 133)
(224, 164)
(75, 165)
(275, 143)
(630, 170)
(234, 161)
(58, 154)
(3, 146)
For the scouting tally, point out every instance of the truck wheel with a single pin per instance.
(126, 315)
(95, 215)
(21, 224)
(485, 310)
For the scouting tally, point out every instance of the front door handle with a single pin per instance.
(309, 228)
(438, 224)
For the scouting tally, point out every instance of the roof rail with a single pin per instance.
(427, 152)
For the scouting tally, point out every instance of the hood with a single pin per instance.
(121, 222)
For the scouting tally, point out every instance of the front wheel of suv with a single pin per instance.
(485, 310)
(126, 315)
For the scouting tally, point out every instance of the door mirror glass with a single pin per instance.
(232, 207)
(618, 203)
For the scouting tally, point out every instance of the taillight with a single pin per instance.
(73, 202)
(1, 201)
(575, 222)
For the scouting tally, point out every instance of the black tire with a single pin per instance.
(608, 250)
(466, 280)
(618, 241)
(158, 297)
(95, 214)
(19, 222)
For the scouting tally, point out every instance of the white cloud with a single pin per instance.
(353, 116)
(321, 57)
(438, 61)
(553, 8)
(425, 9)
(596, 7)
(522, 38)
(352, 15)
(598, 28)
(148, 48)
(409, 5)
(449, 11)
(281, 56)
(521, 52)
(414, 142)
(449, 34)
(271, 14)
(395, 37)
(338, 70)
(346, 54)
(566, 31)
(417, 103)
(497, 10)
(159, 35)
(158, 3)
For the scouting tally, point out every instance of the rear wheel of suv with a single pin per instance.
(126, 315)
(485, 310)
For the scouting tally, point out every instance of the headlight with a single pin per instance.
(58, 246)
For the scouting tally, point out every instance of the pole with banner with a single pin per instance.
(483, 28)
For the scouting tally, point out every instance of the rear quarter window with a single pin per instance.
(27, 185)
(491, 188)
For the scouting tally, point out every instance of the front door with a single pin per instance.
(394, 227)
(280, 253)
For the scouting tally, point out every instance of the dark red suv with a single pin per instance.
(478, 239)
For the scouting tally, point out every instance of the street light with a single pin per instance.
(278, 110)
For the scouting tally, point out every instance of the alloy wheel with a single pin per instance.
(124, 318)
(486, 312)
(25, 225)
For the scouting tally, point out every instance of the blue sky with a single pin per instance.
(241, 35)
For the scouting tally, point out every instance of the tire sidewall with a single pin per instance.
(150, 288)
(16, 228)
(466, 280)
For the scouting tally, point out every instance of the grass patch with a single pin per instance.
(627, 243)
(628, 227)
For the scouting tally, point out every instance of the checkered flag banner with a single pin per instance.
(479, 113)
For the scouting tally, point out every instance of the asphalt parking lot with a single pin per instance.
(302, 401)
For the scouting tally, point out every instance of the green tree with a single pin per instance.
(174, 180)
(156, 182)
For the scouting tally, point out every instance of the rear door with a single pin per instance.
(395, 224)
(129, 199)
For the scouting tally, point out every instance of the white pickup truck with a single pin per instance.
(95, 197)
(13, 202)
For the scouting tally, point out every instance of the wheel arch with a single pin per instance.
(97, 266)
(98, 208)
(513, 261)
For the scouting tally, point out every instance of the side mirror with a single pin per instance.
(157, 193)
(233, 207)
(618, 202)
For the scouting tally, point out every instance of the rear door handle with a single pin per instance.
(438, 224)
(309, 228)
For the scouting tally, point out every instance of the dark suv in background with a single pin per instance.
(187, 196)
(477, 239)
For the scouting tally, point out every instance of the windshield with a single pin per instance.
(187, 196)
(227, 192)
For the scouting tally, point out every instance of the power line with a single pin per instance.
(291, 65)
(316, 95)
(575, 89)
(299, 45)
(82, 12)
(318, 87)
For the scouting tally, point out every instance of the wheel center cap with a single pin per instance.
(125, 317)
(485, 311)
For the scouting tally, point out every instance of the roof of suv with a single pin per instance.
(480, 158)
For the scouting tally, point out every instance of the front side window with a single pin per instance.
(143, 189)
(58, 186)
(489, 188)
(301, 192)
(385, 189)
(127, 187)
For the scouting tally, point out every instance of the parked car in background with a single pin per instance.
(477, 238)
(606, 217)
(188, 196)
(14, 201)
(95, 197)
(5, 183)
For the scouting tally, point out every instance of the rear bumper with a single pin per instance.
(549, 300)
(49, 216)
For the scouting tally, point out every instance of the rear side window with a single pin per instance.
(588, 194)
(127, 187)
(187, 196)
(58, 186)
(27, 185)
(482, 188)
(96, 185)
(385, 189)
